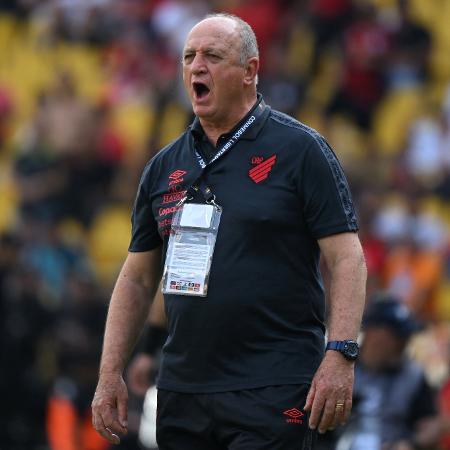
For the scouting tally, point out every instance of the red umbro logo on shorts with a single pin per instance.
(294, 415)
(262, 169)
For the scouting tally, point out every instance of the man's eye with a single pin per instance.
(188, 58)
(213, 56)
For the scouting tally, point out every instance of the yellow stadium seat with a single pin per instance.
(326, 83)
(348, 140)
(173, 123)
(300, 50)
(108, 240)
(443, 301)
(8, 31)
(134, 121)
(384, 3)
(8, 198)
(84, 63)
(393, 118)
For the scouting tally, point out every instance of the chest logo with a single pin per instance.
(176, 177)
(262, 168)
(177, 174)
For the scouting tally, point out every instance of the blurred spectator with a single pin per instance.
(427, 154)
(65, 117)
(25, 332)
(173, 19)
(392, 401)
(366, 47)
(281, 90)
(413, 265)
(267, 23)
(78, 339)
(411, 44)
(329, 18)
(46, 253)
(40, 172)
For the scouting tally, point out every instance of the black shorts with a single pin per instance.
(269, 418)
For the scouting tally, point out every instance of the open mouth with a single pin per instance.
(200, 89)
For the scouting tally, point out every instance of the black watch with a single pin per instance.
(350, 349)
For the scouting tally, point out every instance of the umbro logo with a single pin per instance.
(177, 174)
(176, 178)
(294, 415)
(262, 168)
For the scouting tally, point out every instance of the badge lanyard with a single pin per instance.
(194, 228)
(199, 184)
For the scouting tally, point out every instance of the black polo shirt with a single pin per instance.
(262, 322)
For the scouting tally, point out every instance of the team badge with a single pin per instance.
(262, 167)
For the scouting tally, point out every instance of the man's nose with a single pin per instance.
(198, 64)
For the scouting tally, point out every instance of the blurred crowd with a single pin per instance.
(90, 90)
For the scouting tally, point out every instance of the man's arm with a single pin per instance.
(144, 363)
(128, 309)
(333, 381)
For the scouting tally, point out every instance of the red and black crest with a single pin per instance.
(262, 168)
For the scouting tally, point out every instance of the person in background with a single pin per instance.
(393, 404)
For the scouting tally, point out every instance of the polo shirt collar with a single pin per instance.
(199, 134)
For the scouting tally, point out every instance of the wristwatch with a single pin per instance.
(349, 349)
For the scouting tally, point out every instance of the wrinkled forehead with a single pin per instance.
(216, 32)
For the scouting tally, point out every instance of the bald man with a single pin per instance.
(234, 214)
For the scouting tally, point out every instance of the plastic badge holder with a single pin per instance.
(190, 250)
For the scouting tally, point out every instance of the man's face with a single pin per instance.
(212, 73)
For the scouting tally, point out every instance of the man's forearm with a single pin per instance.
(127, 314)
(347, 290)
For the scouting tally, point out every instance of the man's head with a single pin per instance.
(388, 326)
(220, 65)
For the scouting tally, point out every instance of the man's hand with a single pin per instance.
(109, 407)
(139, 373)
(331, 386)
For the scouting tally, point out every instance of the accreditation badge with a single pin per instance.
(190, 250)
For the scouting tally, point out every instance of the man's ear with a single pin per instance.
(251, 71)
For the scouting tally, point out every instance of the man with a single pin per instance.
(394, 406)
(242, 367)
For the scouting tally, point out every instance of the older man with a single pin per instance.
(262, 196)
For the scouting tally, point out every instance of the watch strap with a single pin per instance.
(336, 345)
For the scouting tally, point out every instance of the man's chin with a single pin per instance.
(202, 111)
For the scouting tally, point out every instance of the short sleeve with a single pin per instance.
(327, 203)
(144, 233)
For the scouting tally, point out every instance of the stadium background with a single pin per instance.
(90, 90)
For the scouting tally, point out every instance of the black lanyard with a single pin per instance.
(199, 184)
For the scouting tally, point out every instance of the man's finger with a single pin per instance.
(122, 410)
(348, 410)
(316, 410)
(328, 413)
(310, 398)
(339, 414)
(110, 420)
(104, 431)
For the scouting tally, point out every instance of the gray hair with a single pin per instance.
(249, 45)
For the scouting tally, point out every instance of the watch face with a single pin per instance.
(351, 350)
